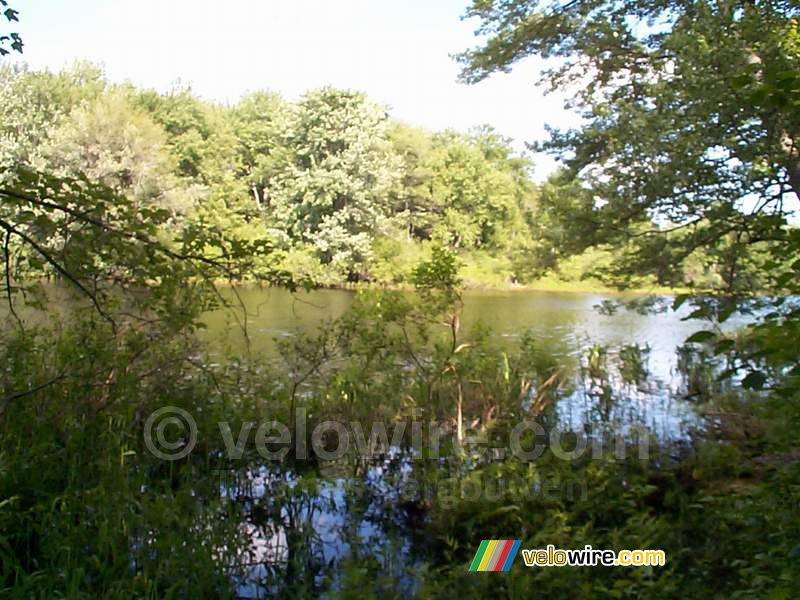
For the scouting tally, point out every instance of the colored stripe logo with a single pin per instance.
(495, 555)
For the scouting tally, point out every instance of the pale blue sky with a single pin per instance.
(397, 51)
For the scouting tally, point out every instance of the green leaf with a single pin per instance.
(741, 81)
(725, 313)
(701, 313)
(700, 336)
(679, 300)
(723, 345)
(754, 380)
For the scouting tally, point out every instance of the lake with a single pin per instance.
(565, 323)
(571, 318)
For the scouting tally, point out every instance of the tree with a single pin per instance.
(465, 190)
(34, 104)
(185, 120)
(690, 118)
(257, 122)
(332, 175)
(111, 142)
(411, 202)
(477, 188)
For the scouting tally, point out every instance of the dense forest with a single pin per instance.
(128, 216)
(337, 190)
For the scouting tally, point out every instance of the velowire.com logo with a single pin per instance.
(495, 555)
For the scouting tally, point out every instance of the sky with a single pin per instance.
(397, 51)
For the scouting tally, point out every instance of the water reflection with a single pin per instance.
(559, 319)
(564, 326)
(303, 527)
(621, 370)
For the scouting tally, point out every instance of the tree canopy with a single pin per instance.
(329, 182)
(690, 136)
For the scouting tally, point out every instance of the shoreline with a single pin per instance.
(471, 286)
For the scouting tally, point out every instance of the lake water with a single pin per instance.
(289, 513)
(565, 324)
(569, 318)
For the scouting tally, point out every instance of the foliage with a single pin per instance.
(689, 139)
(331, 178)
(333, 194)
(12, 40)
(81, 496)
(137, 203)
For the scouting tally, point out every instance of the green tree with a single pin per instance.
(332, 177)
(111, 142)
(477, 188)
(412, 205)
(691, 131)
(258, 123)
(465, 190)
(34, 104)
(689, 150)
(186, 123)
